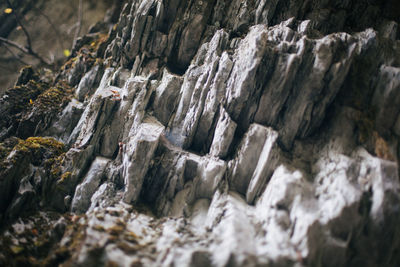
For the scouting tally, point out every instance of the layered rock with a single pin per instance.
(213, 133)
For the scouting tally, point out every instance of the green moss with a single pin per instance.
(16, 249)
(20, 97)
(54, 98)
(32, 104)
(45, 151)
(55, 164)
(38, 150)
(35, 143)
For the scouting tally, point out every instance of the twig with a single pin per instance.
(14, 44)
(28, 37)
(28, 49)
(15, 55)
(79, 23)
(25, 50)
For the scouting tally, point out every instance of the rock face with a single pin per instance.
(211, 133)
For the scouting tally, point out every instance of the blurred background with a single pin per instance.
(51, 25)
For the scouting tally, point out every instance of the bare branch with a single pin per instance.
(28, 37)
(28, 49)
(25, 50)
(15, 55)
(14, 44)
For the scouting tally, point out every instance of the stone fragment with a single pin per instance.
(166, 95)
(267, 162)
(137, 157)
(223, 135)
(255, 161)
(85, 190)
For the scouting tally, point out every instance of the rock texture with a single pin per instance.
(210, 133)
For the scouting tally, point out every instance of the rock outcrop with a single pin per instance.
(210, 133)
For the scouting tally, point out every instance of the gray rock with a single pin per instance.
(226, 133)
(68, 119)
(165, 97)
(88, 82)
(252, 157)
(386, 99)
(223, 135)
(92, 180)
(139, 152)
(201, 76)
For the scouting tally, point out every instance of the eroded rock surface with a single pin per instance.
(210, 133)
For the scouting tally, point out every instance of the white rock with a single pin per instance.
(223, 135)
(84, 191)
(137, 157)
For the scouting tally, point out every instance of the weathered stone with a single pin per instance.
(165, 97)
(88, 82)
(253, 157)
(66, 122)
(200, 78)
(386, 99)
(225, 133)
(137, 157)
(267, 162)
(92, 180)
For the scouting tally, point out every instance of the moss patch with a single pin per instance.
(40, 112)
(54, 98)
(20, 97)
(32, 102)
(40, 147)
(32, 143)
(40, 151)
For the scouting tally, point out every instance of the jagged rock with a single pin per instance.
(165, 97)
(212, 133)
(85, 190)
(223, 135)
(195, 91)
(88, 82)
(385, 100)
(254, 161)
(68, 119)
(139, 152)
